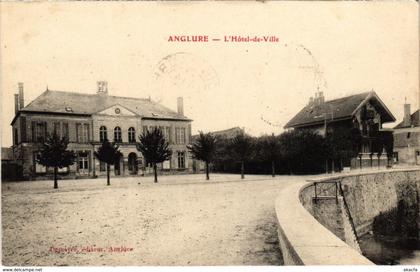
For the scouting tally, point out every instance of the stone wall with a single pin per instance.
(371, 194)
(325, 230)
(303, 240)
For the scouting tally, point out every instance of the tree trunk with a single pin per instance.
(108, 182)
(341, 164)
(55, 178)
(242, 170)
(360, 160)
(207, 171)
(155, 171)
(332, 166)
(273, 169)
(379, 162)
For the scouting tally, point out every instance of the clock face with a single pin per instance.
(117, 111)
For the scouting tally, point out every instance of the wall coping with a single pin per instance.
(361, 173)
(311, 242)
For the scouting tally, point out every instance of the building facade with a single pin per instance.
(86, 120)
(407, 138)
(364, 111)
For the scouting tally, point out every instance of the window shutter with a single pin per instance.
(23, 129)
(45, 131)
(33, 131)
(77, 132)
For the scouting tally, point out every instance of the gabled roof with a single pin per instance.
(338, 109)
(415, 121)
(79, 103)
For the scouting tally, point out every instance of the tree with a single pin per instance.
(154, 147)
(388, 141)
(269, 150)
(54, 154)
(241, 147)
(342, 144)
(109, 154)
(204, 149)
(303, 151)
(378, 146)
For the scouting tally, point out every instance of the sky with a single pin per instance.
(340, 48)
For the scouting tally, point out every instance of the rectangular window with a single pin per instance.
(168, 134)
(78, 131)
(39, 131)
(22, 132)
(83, 162)
(180, 135)
(86, 133)
(57, 129)
(82, 131)
(181, 160)
(15, 136)
(65, 130)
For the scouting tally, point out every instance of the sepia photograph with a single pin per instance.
(248, 134)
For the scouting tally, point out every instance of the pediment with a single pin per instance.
(117, 110)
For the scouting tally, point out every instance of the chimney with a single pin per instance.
(21, 96)
(407, 115)
(321, 97)
(311, 101)
(16, 103)
(180, 103)
(102, 87)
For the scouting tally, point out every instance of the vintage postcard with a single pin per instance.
(238, 133)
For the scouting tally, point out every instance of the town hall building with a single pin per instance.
(86, 120)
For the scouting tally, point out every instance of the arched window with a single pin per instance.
(117, 134)
(131, 135)
(102, 134)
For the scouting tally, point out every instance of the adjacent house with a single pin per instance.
(407, 138)
(86, 120)
(230, 133)
(364, 111)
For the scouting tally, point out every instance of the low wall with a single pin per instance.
(324, 232)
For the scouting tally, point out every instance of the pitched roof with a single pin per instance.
(80, 103)
(228, 133)
(415, 121)
(338, 109)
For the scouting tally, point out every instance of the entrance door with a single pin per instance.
(132, 164)
(83, 163)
